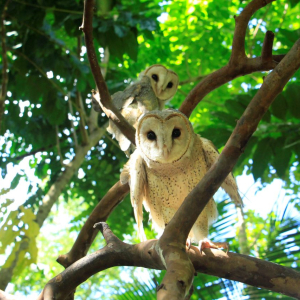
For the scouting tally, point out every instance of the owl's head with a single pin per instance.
(164, 82)
(164, 136)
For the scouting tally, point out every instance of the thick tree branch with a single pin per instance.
(238, 64)
(4, 63)
(174, 237)
(104, 99)
(232, 266)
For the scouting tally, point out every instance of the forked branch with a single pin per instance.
(238, 64)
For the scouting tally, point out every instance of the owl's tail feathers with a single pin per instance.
(230, 187)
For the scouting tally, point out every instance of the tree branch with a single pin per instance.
(266, 52)
(4, 63)
(88, 233)
(174, 237)
(104, 98)
(248, 270)
(238, 64)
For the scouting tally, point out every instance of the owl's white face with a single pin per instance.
(164, 136)
(163, 81)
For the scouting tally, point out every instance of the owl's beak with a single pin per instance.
(166, 151)
(159, 89)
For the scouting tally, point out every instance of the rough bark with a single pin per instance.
(248, 270)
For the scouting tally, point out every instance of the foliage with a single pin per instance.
(48, 69)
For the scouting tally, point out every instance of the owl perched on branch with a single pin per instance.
(155, 87)
(169, 161)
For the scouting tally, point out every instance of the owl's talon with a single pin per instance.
(206, 243)
(188, 243)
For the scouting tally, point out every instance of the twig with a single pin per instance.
(193, 79)
(238, 64)
(266, 52)
(105, 102)
(82, 114)
(4, 63)
(58, 146)
(214, 262)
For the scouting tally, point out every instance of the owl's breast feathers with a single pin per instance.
(169, 184)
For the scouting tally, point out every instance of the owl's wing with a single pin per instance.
(135, 174)
(211, 154)
(124, 98)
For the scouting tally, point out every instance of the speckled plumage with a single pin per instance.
(162, 172)
(157, 85)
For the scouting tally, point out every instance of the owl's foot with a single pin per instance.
(188, 243)
(206, 243)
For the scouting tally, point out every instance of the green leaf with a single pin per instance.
(15, 181)
(261, 158)
(228, 118)
(293, 100)
(281, 158)
(121, 31)
(235, 108)
(279, 107)
(294, 2)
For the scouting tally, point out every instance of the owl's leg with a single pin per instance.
(206, 243)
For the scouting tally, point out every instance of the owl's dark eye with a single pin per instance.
(176, 133)
(155, 77)
(151, 136)
(170, 84)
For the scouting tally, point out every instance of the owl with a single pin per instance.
(169, 161)
(155, 87)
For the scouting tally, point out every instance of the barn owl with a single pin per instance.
(169, 161)
(155, 87)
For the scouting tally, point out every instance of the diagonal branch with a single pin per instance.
(238, 64)
(248, 270)
(177, 231)
(104, 99)
(88, 233)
